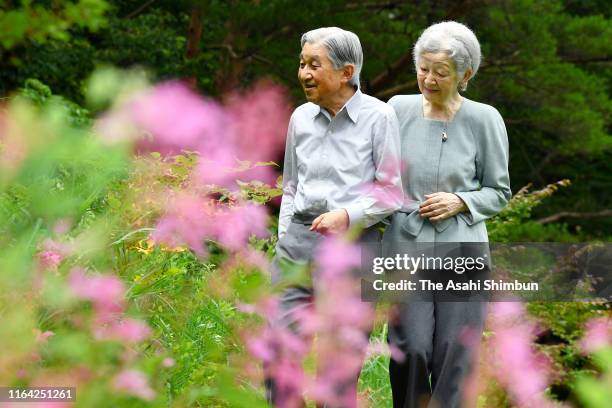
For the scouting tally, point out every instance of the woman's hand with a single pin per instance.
(439, 206)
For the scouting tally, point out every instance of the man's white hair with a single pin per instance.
(342, 46)
(455, 39)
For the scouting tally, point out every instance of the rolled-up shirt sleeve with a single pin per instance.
(384, 195)
(491, 170)
(290, 181)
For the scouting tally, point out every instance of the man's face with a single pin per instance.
(320, 80)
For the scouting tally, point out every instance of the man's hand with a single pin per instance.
(440, 206)
(332, 222)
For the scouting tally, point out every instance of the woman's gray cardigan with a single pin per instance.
(472, 163)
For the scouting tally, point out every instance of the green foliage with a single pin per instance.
(35, 22)
(40, 94)
(60, 64)
(53, 170)
(562, 324)
(52, 182)
(155, 40)
(513, 223)
(67, 174)
(596, 392)
(374, 378)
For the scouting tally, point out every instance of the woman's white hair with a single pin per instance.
(342, 46)
(455, 39)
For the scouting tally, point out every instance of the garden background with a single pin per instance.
(112, 281)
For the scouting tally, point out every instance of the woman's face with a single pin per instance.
(437, 77)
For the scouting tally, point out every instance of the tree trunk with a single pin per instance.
(194, 36)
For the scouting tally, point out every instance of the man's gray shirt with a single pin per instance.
(348, 161)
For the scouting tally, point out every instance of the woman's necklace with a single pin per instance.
(451, 114)
(444, 134)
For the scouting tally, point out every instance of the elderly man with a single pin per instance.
(341, 169)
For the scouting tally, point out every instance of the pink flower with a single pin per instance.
(289, 380)
(387, 195)
(217, 169)
(335, 257)
(246, 308)
(21, 373)
(248, 258)
(339, 319)
(191, 220)
(62, 226)
(42, 337)
(258, 122)
(49, 260)
(256, 129)
(127, 330)
(379, 348)
(105, 291)
(52, 253)
(187, 221)
(168, 362)
(382, 190)
(598, 335)
(224, 167)
(179, 119)
(116, 127)
(261, 349)
(521, 370)
(283, 353)
(504, 313)
(14, 140)
(235, 226)
(135, 383)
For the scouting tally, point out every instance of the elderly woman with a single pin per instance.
(455, 176)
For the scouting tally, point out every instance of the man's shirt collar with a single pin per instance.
(352, 107)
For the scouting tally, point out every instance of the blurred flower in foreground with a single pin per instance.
(41, 337)
(168, 362)
(192, 219)
(338, 319)
(178, 118)
(282, 351)
(185, 222)
(231, 139)
(52, 253)
(257, 128)
(342, 322)
(106, 292)
(234, 142)
(126, 330)
(517, 366)
(386, 194)
(135, 383)
(597, 335)
(14, 146)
